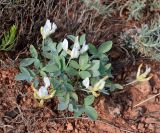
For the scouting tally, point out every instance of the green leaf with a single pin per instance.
(63, 53)
(63, 63)
(33, 52)
(95, 73)
(85, 67)
(32, 73)
(62, 106)
(105, 47)
(84, 74)
(49, 45)
(24, 71)
(92, 49)
(67, 98)
(8, 39)
(64, 102)
(96, 65)
(42, 73)
(37, 63)
(91, 112)
(59, 47)
(74, 64)
(36, 83)
(23, 76)
(74, 96)
(71, 37)
(71, 71)
(57, 60)
(79, 112)
(108, 66)
(27, 61)
(118, 86)
(89, 100)
(83, 61)
(50, 68)
(95, 68)
(82, 39)
(68, 86)
(70, 107)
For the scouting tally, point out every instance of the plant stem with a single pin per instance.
(146, 100)
(134, 81)
(68, 62)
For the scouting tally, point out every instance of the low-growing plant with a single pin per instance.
(8, 39)
(145, 40)
(154, 5)
(136, 9)
(68, 70)
(101, 8)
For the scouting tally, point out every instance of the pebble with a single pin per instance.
(69, 127)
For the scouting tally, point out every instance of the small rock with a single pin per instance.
(115, 111)
(51, 130)
(69, 127)
(155, 90)
(141, 127)
(76, 131)
(151, 127)
(150, 120)
(144, 87)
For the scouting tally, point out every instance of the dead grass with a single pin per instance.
(71, 16)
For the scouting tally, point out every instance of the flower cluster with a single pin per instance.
(97, 87)
(43, 92)
(65, 70)
(48, 29)
(76, 50)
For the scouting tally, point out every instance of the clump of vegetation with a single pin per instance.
(154, 5)
(145, 40)
(101, 8)
(8, 39)
(67, 70)
(136, 9)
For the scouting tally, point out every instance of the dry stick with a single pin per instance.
(146, 100)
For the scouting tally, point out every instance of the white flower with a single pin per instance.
(143, 76)
(65, 44)
(76, 43)
(99, 85)
(48, 29)
(85, 82)
(84, 48)
(75, 50)
(75, 53)
(42, 92)
(46, 82)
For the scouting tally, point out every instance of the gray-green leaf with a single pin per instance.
(71, 71)
(92, 49)
(84, 74)
(83, 60)
(82, 39)
(105, 47)
(33, 51)
(74, 64)
(91, 112)
(89, 100)
(50, 68)
(27, 62)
